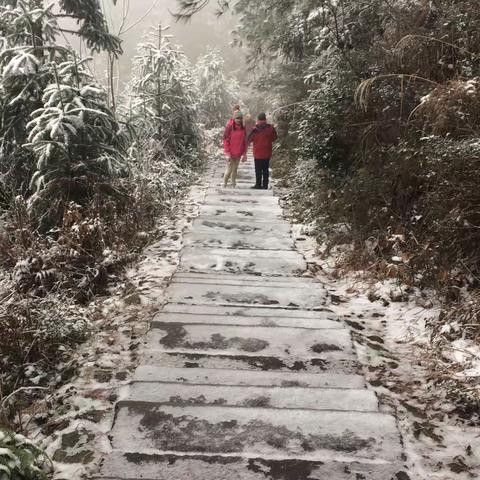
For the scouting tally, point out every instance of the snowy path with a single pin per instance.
(246, 374)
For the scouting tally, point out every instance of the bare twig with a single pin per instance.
(18, 390)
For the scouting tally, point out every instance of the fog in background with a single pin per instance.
(203, 32)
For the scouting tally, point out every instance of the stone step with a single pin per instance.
(194, 259)
(277, 295)
(247, 167)
(255, 432)
(257, 223)
(239, 279)
(217, 189)
(235, 200)
(149, 466)
(218, 376)
(163, 393)
(243, 211)
(322, 322)
(295, 343)
(250, 311)
(243, 176)
(238, 225)
(240, 240)
(202, 360)
(244, 179)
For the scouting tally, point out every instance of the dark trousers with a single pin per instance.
(261, 172)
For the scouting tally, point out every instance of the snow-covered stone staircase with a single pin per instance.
(246, 374)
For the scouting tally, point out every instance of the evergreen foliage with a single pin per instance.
(94, 28)
(74, 136)
(163, 96)
(217, 92)
(20, 459)
(55, 123)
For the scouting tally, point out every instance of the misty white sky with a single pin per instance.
(203, 31)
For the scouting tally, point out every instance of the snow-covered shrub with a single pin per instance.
(451, 109)
(460, 321)
(425, 192)
(37, 332)
(214, 138)
(91, 242)
(318, 124)
(158, 177)
(20, 459)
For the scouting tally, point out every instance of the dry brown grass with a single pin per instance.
(451, 109)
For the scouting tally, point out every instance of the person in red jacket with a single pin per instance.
(235, 147)
(262, 137)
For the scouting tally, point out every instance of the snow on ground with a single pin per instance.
(437, 412)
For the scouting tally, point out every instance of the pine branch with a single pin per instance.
(188, 8)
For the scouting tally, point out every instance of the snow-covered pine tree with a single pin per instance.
(75, 137)
(72, 134)
(164, 96)
(217, 91)
(27, 34)
(93, 27)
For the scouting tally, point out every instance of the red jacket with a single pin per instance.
(235, 140)
(262, 137)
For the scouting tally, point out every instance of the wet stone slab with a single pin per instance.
(249, 311)
(243, 177)
(242, 212)
(264, 201)
(239, 226)
(234, 192)
(200, 360)
(241, 396)
(243, 181)
(328, 321)
(301, 434)
(131, 466)
(242, 340)
(294, 295)
(272, 378)
(218, 228)
(246, 261)
(240, 240)
(244, 279)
